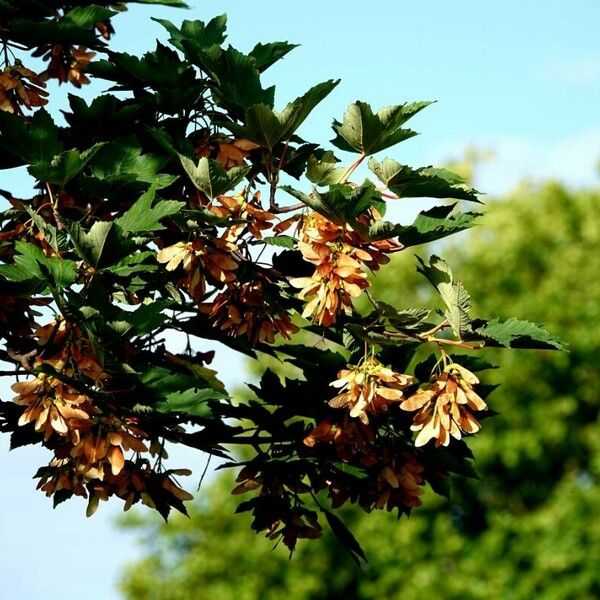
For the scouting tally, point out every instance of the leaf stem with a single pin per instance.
(456, 343)
(437, 328)
(427, 337)
(59, 224)
(352, 168)
(285, 209)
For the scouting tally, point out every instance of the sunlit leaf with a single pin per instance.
(366, 132)
(426, 182)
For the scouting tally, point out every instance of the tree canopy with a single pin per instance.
(182, 201)
(527, 528)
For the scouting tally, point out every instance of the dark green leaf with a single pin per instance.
(204, 35)
(143, 216)
(323, 171)
(86, 16)
(172, 391)
(261, 126)
(430, 225)
(266, 127)
(135, 263)
(368, 133)
(454, 295)
(426, 182)
(404, 319)
(283, 241)
(238, 79)
(194, 402)
(210, 177)
(159, 69)
(122, 161)
(345, 537)
(103, 245)
(36, 143)
(42, 142)
(62, 168)
(57, 239)
(296, 112)
(514, 333)
(376, 337)
(28, 260)
(145, 318)
(265, 55)
(321, 204)
(173, 3)
(63, 31)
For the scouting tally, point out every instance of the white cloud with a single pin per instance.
(584, 70)
(571, 159)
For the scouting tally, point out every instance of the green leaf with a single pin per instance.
(345, 537)
(64, 167)
(341, 202)
(430, 225)
(266, 55)
(296, 112)
(142, 216)
(210, 177)
(410, 318)
(261, 126)
(62, 272)
(43, 142)
(194, 402)
(85, 16)
(173, 3)
(145, 318)
(57, 239)
(22, 271)
(90, 245)
(514, 333)
(35, 143)
(323, 171)
(375, 337)
(105, 118)
(361, 199)
(103, 245)
(171, 391)
(122, 161)
(12, 140)
(135, 263)
(364, 132)
(455, 296)
(283, 241)
(266, 126)
(237, 78)
(158, 69)
(203, 34)
(426, 182)
(64, 31)
(328, 205)
(296, 158)
(207, 375)
(31, 264)
(350, 470)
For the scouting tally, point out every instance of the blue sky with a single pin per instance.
(521, 78)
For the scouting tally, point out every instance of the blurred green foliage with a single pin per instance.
(529, 527)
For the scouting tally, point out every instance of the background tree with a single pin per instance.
(528, 528)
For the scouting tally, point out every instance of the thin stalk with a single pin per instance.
(352, 168)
